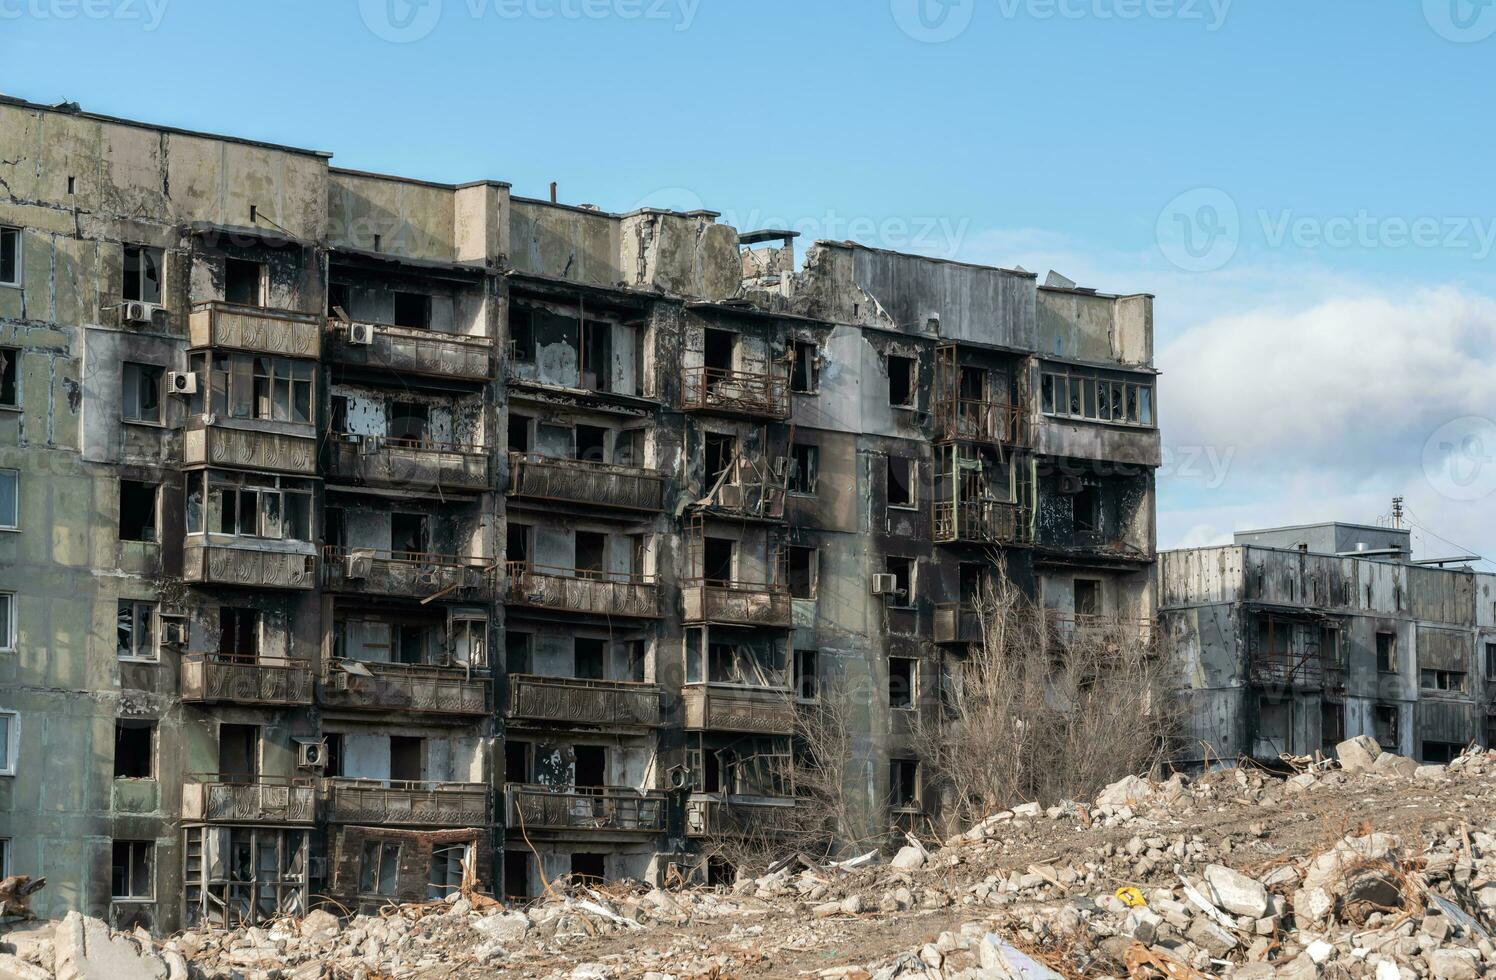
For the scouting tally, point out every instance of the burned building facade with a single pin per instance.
(1293, 639)
(360, 532)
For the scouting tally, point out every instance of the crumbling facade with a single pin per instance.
(364, 532)
(1294, 639)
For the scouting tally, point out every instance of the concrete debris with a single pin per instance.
(1377, 872)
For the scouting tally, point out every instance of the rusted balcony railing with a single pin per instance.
(585, 482)
(977, 420)
(421, 465)
(254, 329)
(249, 444)
(405, 574)
(373, 686)
(591, 593)
(395, 802)
(980, 522)
(734, 708)
(577, 700)
(749, 393)
(214, 677)
(603, 808)
(740, 603)
(213, 798)
(720, 815)
(1107, 632)
(411, 350)
(225, 560)
(957, 622)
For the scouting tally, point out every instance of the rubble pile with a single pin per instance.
(1370, 866)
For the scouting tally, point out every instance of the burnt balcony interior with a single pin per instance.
(406, 547)
(582, 784)
(976, 395)
(419, 762)
(742, 473)
(981, 493)
(387, 319)
(239, 875)
(744, 769)
(1101, 510)
(1087, 394)
(582, 566)
(590, 655)
(416, 439)
(577, 344)
(259, 392)
(245, 269)
(589, 460)
(735, 372)
(737, 657)
(1302, 651)
(590, 679)
(248, 529)
(422, 660)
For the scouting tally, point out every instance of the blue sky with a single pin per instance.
(1304, 184)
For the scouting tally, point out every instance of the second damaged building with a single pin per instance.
(422, 527)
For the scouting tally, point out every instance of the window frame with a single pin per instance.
(907, 600)
(813, 571)
(813, 676)
(910, 701)
(12, 522)
(807, 483)
(11, 719)
(150, 726)
(229, 371)
(152, 633)
(143, 252)
(126, 404)
(1088, 394)
(148, 848)
(912, 481)
(1444, 681)
(913, 403)
(8, 627)
(380, 849)
(20, 256)
(810, 366)
(14, 365)
(5, 843)
(155, 524)
(1391, 667)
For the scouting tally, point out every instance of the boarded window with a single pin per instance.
(137, 511)
(901, 381)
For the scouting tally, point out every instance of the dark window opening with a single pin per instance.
(803, 572)
(720, 872)
(339, 406)
(804, 464)
(335, 526)
(10, 370)
(519, 433)
(339, 297)
(137, 511)
(1387, 723)
(238, 753)
(134, 749)
(1387, 653)
(592, 444)
(517, 542)
(140, 394)
(413, 310)
(807, 675)
(592, 552)
(1441, 753)
(516, 875)
(901, 381)
(1087, 596)
(903, 783)
(522, 334)
(408, 534)
(131, 870)
(412, 643)
(1086, 506)
(142, 274)
(597, 356)
(903, 673)
(902, 570)
(379, 868)
(901, 482)
(588, 868)
(1331, 724)
(1442, 680)
(1491, 661)
(334, 741)
(719, 345)
(588, 658)
(239, 632)
(591, 766)
(516, 761)
(405, 758)
(628, 447)
(410, 421)
(805, 374)
(516, 652)
(10, 256)
(721, 452)
(717, 560)
(243, 282)
(973, 582)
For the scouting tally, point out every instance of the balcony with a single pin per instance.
(260, 331)
(729, 708)
(576, 481)
(571, 700)
(957, 622)
(405, 574)
(362, 685)
(977, 420)
(419, 465)
(980, 522)
(606, 809)
(249, 445)
(1107, 634)
(240, 799)
(218, 678)
(737, 603)
(589, 593)
(744, 393)
(217, 559)
(404, 803)
(411, 350)
(726, 816)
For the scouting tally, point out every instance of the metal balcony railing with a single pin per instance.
(230, 798)
(577, 591)
(722, 815)
(405, 802)
(255, 329)
(749, 393)
(220, 559)
(377, 686)
(214, 677)
(980, 522)
(406, 574)
(737, 708)
(977, 420)
(574, 700)
(540, 477)
(422, 465)
(602, 808)
(739, 603)
(412, 350)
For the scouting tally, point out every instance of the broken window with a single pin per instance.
(10, 499)
(628, 447)
(405, 758)
(973, 582)
(410, 421)
(804, 464)
(721, 453)
(1098, 396)
(718, 348)
(1388, 724)
(902, 381)
(1442, 680)
(243, 282)
(588, 658)
(134, 749)
(803, 572)
(1086, 507)
(1491, 661)
(522, 334)
(1441, 753)
(142, 274)
(134, 630)
(248, 386)
(140, 395)
(597, 355)
(469, 641)
(413, 643)
(137, 511)
(902, 570)
(718, 559)
(807, 675)
(1387, 653)
(591, 444)
(516, 761)
(903, 675)
(10, 372)
(409, 534)
(10, 256)
(1331, 724)
(1087, 596)
(903, 783)
(239, 632)
(7, 621)
(254, 511)
(591, 552)
(591, 766)
(339, 297)
(131, 877)
(238, 753)
(805, 373)
(1329, 646)
(588, 869)
(413, 310)
(638, 660)
(519, 433)
(379, 868)
(901, 476)
(445, 876)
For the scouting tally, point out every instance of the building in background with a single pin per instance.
(1293, 639)
(360, 529)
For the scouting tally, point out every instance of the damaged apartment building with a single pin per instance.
(360, 533)
(1290, 640)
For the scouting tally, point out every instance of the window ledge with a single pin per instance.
(148, 661)
(10, 530)
(144, 425)
(912, 508)
(11, 285)
(10, 410)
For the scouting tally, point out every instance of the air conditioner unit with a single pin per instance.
(679, 776)
(885, 584)
(181, 382)
(311, 755)
(360, 334)
(359, 564)
(134, 311)
(173, 631)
